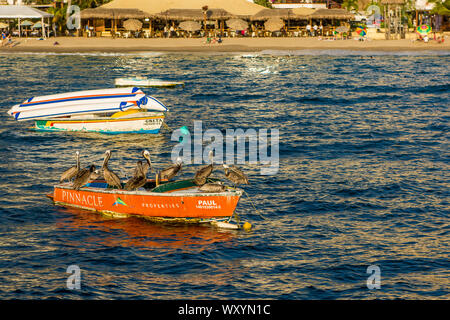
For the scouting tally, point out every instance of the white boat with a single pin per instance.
(124, 110)
(145, 82)
(130, 121)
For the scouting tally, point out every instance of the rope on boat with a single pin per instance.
(238, 220)
(257, 211)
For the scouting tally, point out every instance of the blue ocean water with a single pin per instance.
(363, 180)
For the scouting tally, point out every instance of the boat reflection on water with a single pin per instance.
(138, 232)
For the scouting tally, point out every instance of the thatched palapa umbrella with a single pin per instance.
(342, 29)
(237, 24)
(132, 25)
(274, 24)
(190, 26)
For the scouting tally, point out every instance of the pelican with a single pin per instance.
(235, 175)
(111, 178)
(148, 164)
(84, 175)
(213, 187)
(202, 174)
(139, 179)
(171, 171)
(70, 173)
(140, 173)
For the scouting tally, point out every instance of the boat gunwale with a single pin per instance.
(234, 193)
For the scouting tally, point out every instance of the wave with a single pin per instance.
(347, 52)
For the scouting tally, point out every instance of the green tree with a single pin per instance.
(265, 3)
(441, 7)
(350, 5)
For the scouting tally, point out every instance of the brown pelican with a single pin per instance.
(111, 178)
(70, 173)
(148, 164)
(139, 179)
(202, 174)
(140, 173)
(171, 171)
(84, 175)
(235, 175)
(213, 187)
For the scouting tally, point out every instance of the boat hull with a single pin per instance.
(142, 124)
(85, 102)
(121, 82)
(171, 206)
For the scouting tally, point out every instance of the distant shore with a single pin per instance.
(85, 45)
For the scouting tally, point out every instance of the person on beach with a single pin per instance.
(315, 29)
(308, 30)
(9, 42)
(3, 37)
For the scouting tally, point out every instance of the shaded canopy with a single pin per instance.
(266, 14)
(237, 24)
(194, 14)
(236, 7)
(340, 14)
(303, 13)
(21, 12)
(190, 26)
(274, 24)
(104, 13)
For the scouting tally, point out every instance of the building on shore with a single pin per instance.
(188, 18)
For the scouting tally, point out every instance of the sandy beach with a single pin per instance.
(73, 44)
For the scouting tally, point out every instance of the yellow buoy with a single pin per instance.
(246, 226)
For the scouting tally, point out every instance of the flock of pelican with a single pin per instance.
(139, 179)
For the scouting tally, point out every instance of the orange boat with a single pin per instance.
(178, 201)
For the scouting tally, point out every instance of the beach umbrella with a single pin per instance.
(38, 25)
(190, 26)
(274, 24)
(342, 29)
(362, 31)
(3, 25)
(423, 29)
(26, 23)
(237, 24)
(132, 25)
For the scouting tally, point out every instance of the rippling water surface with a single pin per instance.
(363, 180)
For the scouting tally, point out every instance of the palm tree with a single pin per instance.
(350, 5)
(60, 14)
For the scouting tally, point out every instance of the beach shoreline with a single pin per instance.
(192, 45)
